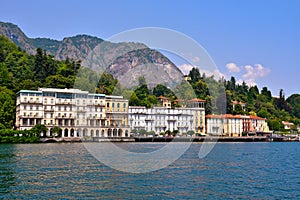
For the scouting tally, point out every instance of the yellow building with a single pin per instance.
(117, 115)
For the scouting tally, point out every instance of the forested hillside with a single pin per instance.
(19, 70)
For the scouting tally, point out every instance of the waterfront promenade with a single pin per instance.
(176, 139)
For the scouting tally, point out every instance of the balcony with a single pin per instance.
(98, 105)
(31, 116)
(32, 102)
(64, 103)
(149, 119)
(160, 126)
(81, 110)
(49, 109)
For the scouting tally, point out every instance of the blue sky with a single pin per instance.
(256, 40)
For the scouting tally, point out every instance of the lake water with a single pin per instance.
(231, 170)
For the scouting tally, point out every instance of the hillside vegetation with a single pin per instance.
(20, 70)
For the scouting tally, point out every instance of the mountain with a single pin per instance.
(125, 60)
(16, 35)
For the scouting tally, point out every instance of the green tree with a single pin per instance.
(175, 132)
(281, 95)
(38, 129)
(142, 132)
(275, 124)
(238, 109)
(134, 100)
(263, 112)
(57, 131)
(194, 74)
(151, 133)
(265, 92)
(106, 83)
(7, 110)
(161, 90)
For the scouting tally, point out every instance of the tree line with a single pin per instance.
(19, 71)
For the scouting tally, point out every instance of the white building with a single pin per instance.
(161, 119)
(76, 112)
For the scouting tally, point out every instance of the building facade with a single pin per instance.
(160, 119)
(235, 125)
(78, 113)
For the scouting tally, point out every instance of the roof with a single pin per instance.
(163, 98)
(237, 102)
(256, 117)
(230, 116)
(226, 116)
(30, 91)
(196, 100)
(66, 90)
(97, 95)
(287, 123)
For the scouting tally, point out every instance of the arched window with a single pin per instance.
(72, 132)
(120, 132)
(115, 132)
(92, 133)
(66, 132)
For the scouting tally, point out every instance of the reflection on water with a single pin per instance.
(6, 167)
(231, 170)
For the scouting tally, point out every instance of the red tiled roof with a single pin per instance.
(196, 100)
(230, 116)
(237, 102)
(256, 117)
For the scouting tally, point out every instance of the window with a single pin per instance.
(25, 107)
(51, 122)
(65, 108)
(113, 105)
(107, 105)
(45, 115)
(30, 107)
(44, 121)
(51, 115)
(118, 105)
(58, 108)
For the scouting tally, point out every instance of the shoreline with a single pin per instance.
(170, 139)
